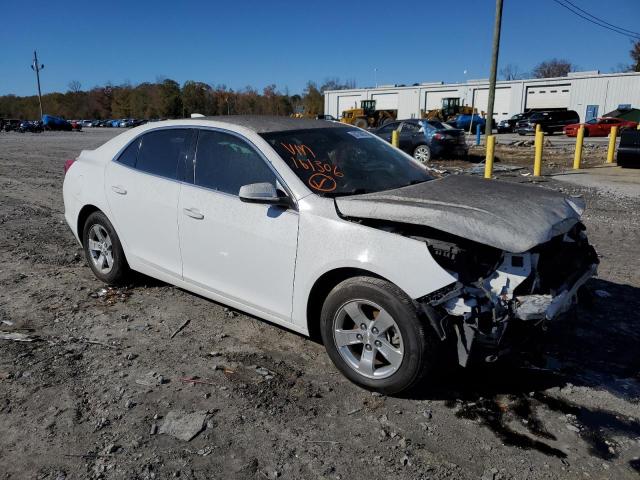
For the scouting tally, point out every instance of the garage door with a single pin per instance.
(501, 103)
(346, 102)
(385, 101)
(549, 96)
(433, 100)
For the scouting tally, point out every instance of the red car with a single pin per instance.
(599, 127)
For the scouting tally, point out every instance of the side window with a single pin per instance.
(130, 154)
(225, 163)
(160, 151)
(410, 127)
(389, 127)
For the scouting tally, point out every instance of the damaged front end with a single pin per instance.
(499, 296)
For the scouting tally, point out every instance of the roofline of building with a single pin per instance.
(472, 83)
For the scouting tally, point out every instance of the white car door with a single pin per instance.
(242, 251)
(143, 192)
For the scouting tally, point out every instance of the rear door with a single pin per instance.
(143, 191)
(242, 251)
(409, 131)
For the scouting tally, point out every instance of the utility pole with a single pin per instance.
(36, 67)
(494, 66)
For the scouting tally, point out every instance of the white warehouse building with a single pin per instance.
(591, 94)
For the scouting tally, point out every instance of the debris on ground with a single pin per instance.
(152, 379)
(17, 337)
(478, 169)
(182, 425)
(111, 295)
(179, 329)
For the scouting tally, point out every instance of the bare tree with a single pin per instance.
(635, 56)
(553, 68)
(510, 72)
(74, 86)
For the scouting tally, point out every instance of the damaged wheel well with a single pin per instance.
(321, 289)
(82, 218)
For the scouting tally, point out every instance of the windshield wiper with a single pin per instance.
(355, 191)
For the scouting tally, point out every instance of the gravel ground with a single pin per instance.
(104, 391)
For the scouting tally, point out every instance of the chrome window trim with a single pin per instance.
(195, 152)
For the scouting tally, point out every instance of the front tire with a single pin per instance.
(103, 250)
(373, 334)
(361, 123)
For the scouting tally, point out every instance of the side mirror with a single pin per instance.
(263, 193)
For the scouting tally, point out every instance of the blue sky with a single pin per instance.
(290, 42)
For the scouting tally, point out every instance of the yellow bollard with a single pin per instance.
(537, 163)
(538, 128)
(488, 162)
(577, 159)
(395, 138)
(612, 144)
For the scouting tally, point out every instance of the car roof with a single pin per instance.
(269, 123)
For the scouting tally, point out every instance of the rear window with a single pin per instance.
(160, 151)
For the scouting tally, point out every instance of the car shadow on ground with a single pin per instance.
(595, 348)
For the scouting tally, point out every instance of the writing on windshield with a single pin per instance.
(344, 160)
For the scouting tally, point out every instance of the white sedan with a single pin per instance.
(328, 230)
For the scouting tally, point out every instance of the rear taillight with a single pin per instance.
(67, 165)
(438, 136)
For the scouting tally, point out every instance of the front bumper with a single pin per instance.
(495, 315)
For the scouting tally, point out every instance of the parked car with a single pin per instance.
(550, 121)
(509, 125)
(329, 118)
(466, 122)
(326, 229)
(426, 139)
(76, 125)
(599, 127)
(30, 126)
(629, 149)
(11, 125)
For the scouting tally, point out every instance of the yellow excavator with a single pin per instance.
(367, 116)
(450, 108)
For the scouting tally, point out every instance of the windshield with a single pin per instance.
(592, 121)
(345, 161)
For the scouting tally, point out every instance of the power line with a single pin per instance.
(601, 20)
(600, 23)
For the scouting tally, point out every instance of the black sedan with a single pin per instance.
(509, 125)
(426, 139)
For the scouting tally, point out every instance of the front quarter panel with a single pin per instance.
(327, 242)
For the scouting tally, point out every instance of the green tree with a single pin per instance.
(171, 100)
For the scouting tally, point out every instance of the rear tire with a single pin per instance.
(422, 153)
(103, 250)
(395, 350)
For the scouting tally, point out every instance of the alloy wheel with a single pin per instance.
(422, 154)
(100, 248)
(368, 339)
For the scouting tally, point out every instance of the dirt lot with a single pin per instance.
(89, 397)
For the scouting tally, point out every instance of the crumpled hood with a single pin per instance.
(504, 215)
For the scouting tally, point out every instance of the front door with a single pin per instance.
(243, 251)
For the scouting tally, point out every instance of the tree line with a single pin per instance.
(166, 98)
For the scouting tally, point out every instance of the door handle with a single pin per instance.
(193, 213)
(118, 189)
